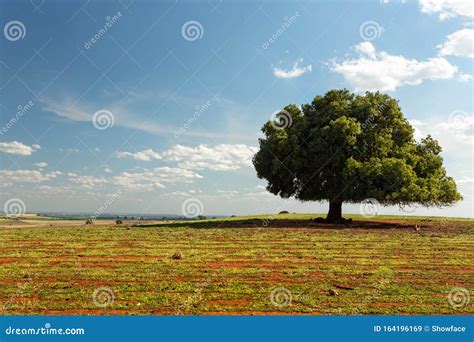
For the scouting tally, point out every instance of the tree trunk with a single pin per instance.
(335, 212)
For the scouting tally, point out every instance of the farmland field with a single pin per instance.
(283, 264)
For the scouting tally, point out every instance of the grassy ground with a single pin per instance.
(281, 264)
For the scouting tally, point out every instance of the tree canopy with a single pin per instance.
(343, 147)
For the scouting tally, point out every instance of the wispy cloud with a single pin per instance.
(122, 118)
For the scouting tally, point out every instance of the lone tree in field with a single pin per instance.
(347, 148)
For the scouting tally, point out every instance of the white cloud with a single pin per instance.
(447, 9)
(374, 70)
(16, 147)
(41, 164)
(148, 180)
(465, 77)
(108, 170)
(459, 129)
(460, 43)
(156, 178)
(455, 134)
(295, 71)
(367, 49)
(219, 158)
(9, 177)
(145, 155)
(56, 190)
(89, 182)
(222, 157)
(417, 124)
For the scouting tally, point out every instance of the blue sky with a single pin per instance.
(188, 85)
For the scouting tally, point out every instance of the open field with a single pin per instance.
(232, 266)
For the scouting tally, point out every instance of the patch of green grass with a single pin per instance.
(55, 270)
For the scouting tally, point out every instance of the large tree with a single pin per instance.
(343, 147)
